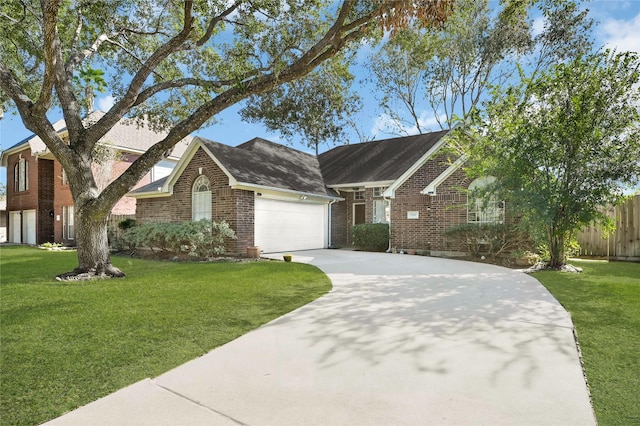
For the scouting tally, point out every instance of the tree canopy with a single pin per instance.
(175, 63)
(563, 143)
(444, 74)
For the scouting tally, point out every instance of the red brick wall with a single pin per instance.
(436, 213)
(45, 212)
(234, 206)
(339, 223)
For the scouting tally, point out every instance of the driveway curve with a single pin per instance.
(400, 340)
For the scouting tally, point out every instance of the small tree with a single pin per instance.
(563, 143)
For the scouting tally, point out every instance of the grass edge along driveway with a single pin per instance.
(67, 344)
(604, 303)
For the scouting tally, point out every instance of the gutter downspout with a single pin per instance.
(388, 200)
(330, 224)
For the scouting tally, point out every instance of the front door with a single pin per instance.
(358, 214)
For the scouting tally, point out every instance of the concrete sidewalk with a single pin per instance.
(399, 340)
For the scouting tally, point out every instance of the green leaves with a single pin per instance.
(564, 142)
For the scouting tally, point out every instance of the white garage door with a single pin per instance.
(289, 226)
(29, 226)
(15, 227)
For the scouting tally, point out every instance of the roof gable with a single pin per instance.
(264, 163)
(255, 164)
(125, 135)
(378, 161)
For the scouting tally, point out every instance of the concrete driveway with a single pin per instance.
(399, 340)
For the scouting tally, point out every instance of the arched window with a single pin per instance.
(21, 176)
(483, 206)
(201, 199)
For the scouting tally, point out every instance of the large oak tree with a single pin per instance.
(178, 63)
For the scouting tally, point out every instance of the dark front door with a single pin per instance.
(358, 214)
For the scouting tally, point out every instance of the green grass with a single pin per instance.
(67, 344)
(604, 303)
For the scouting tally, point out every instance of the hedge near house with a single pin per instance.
(202, 239)
(371, 236)
(487, 239)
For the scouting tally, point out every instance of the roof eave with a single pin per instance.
(391, 190)
(367, 184)
(266, 188)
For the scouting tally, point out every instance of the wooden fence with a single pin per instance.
(624, 243)
(114, 219)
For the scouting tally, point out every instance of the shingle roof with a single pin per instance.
(125, 135)
(261, 162)
(377, 161)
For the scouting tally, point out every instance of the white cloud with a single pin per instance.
(622, 35)
(538, 26)
(105, 103)
(384, 124)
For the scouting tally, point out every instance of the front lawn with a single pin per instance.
(67, 344)
(604, 303)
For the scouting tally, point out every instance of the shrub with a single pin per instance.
(487, 238)
(126, 224)
(371, 236)
(201, 239)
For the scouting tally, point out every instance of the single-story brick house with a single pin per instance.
(282, 199)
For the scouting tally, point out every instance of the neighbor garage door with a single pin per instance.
(288, 226)
(29, 226)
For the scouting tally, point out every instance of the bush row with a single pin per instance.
(487, 238)
(201, 239)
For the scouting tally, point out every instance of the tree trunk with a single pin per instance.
(94, 258)
(556, 249)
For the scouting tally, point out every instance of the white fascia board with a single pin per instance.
(391, 191)
(373, 184)
(186, 159)
(433, 185)
(281, 193)
(150, 194)
(14, 150)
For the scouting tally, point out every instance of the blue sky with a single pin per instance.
(618, 27)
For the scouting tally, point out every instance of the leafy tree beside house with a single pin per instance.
(562, 143)
(178, 63)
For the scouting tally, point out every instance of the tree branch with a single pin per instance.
(121, 107)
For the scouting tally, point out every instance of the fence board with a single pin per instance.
(624, 243)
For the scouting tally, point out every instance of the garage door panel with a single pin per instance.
(288, 226)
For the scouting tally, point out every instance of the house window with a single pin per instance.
(379, 190)
(68, 222)
(21, 175)
(201, 199)
(65, 179)
(358, 195)
(482, 205)
(381, 211)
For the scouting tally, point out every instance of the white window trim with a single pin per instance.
(484, 210)
(21, 175)
(201, 199)
(386, 211)
(68, 223)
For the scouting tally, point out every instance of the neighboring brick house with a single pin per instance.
(39, 202)
(282, 199)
